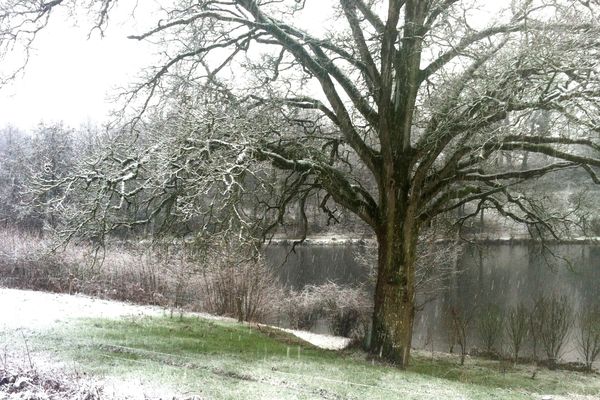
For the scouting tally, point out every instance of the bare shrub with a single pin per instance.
(448, 322)
(236, 282)
(27, 261)
(302, 308)
(435, 263)
(536, 325)
(460, 321)
(229, 276)
(551, 319)
(128, 272)
(490, 324)
(346, 308)
(517, 328)
(588, 335)
(172, 264)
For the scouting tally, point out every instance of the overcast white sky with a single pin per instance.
(69, 77)
(72, 78)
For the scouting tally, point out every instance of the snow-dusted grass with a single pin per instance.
(38, 310)
(222, 359)
(149, 354)
(23, 309)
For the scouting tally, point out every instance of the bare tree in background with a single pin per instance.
(490, 327)
(458, 321)
(551, 320)
(517, 326)
(45, 154)
(14, 150)
(588, 335)
(423, 97)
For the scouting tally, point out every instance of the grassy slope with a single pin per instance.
(224, 360)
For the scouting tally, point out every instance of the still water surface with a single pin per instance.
(500, 273)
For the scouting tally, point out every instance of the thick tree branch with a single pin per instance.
(370, 16)
(335, 182)
(372, 76)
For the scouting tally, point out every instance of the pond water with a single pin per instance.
(315, 264)
(498, 273)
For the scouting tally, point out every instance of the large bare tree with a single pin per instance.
(431, 100)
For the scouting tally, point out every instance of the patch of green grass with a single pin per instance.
(226, 360)
(502, 374)
(196, 337)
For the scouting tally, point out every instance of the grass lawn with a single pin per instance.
(225, 360)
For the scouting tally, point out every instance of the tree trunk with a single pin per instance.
(394, 309)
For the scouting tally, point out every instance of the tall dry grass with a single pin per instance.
(137, 273)
(166, 275)
(225, 279)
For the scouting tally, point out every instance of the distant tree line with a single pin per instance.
(46, 153)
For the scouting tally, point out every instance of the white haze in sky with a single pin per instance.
(73, 78)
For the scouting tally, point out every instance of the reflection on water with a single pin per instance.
(316, 264)
(500, 273)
